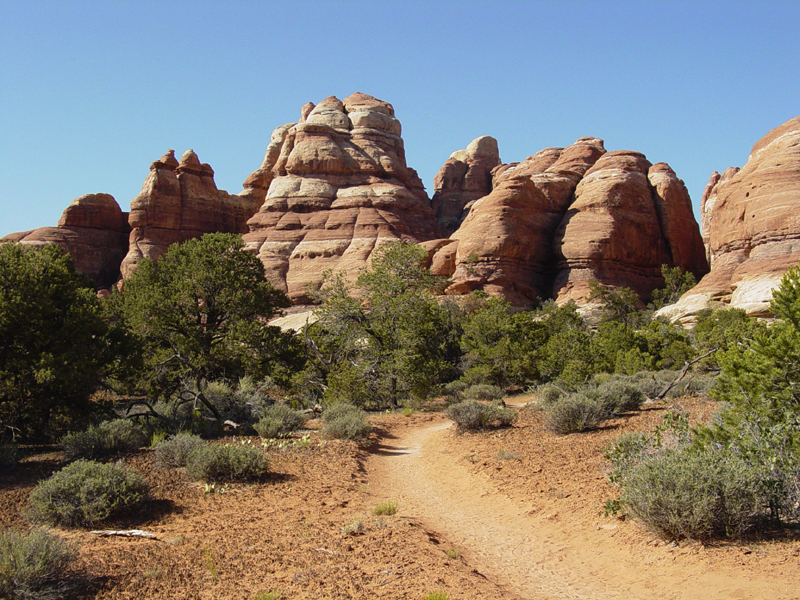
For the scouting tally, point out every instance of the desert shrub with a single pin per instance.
(241, 404)
(619, 396)
(652, 383)
(701, 385)
(437, 596)
(279, 420)
(574, 413)
(227, 462)
(174, 451)
(471, 415)
(455, 390)
(482, 391)
(345, 422)
(9, 455)
(548, 393)
(33, 566)
(107, 438)
(86, 492)
(699, 496)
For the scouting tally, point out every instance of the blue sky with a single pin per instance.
(92, 92)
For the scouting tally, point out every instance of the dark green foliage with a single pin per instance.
(723, 329)
(105, 439)
(621, 305)
(482, 391)
(279, 420)
(173, 452)
(471, 415)
(54, 344)
(35, 566)
(386, 340)
(345, 422)
(676, 283)
(694, 495)
(227, 463)
(9, 455)
(85, 493)
(497, 342)
(243, 403)
(575, 413)
(760, 380)
(201, 315)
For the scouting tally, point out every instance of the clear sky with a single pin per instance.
(92, 92)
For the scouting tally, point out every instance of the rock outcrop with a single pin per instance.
(93, 230)
(751, 220)
(335, 185)
(567, 216)
(465, 177)
(180, 201)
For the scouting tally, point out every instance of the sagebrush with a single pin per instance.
(227, 463)
(35, 566)
(85, 493)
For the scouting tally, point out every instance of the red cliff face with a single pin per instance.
(180, 201)
(565, 217)
(751, 221)
(334, 187)
(93, 230)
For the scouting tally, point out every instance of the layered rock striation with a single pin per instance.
(334, 187)
(568, 216)
(180, 201)
(93, 230)
(751, 221)
(465, 177)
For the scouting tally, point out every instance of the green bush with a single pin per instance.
(471, 415)
(548, 393)
(455, 390)
(86, 492)
(482, 391)
(9, 455)
(574, 413)
(34, 566)
(242, 404)
(279, 420)
(107, 438)
(227, 462)
(619, 396)
(345, 422)
(694, 495)
(174, 451)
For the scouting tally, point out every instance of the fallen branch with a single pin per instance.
(683, 373)
(126, 533)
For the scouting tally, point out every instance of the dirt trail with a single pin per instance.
(535, 555)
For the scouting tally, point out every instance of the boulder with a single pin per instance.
(751, 219)
(180, 201)
(93, 230)
(337, 186)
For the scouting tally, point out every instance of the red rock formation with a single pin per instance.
(751, 222)
(335, 185)
(180, 201)
(505, 243)
(93, 230)
(465, 177)
(565, 217)
(628, 218)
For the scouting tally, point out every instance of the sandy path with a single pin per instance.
(542, 556)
